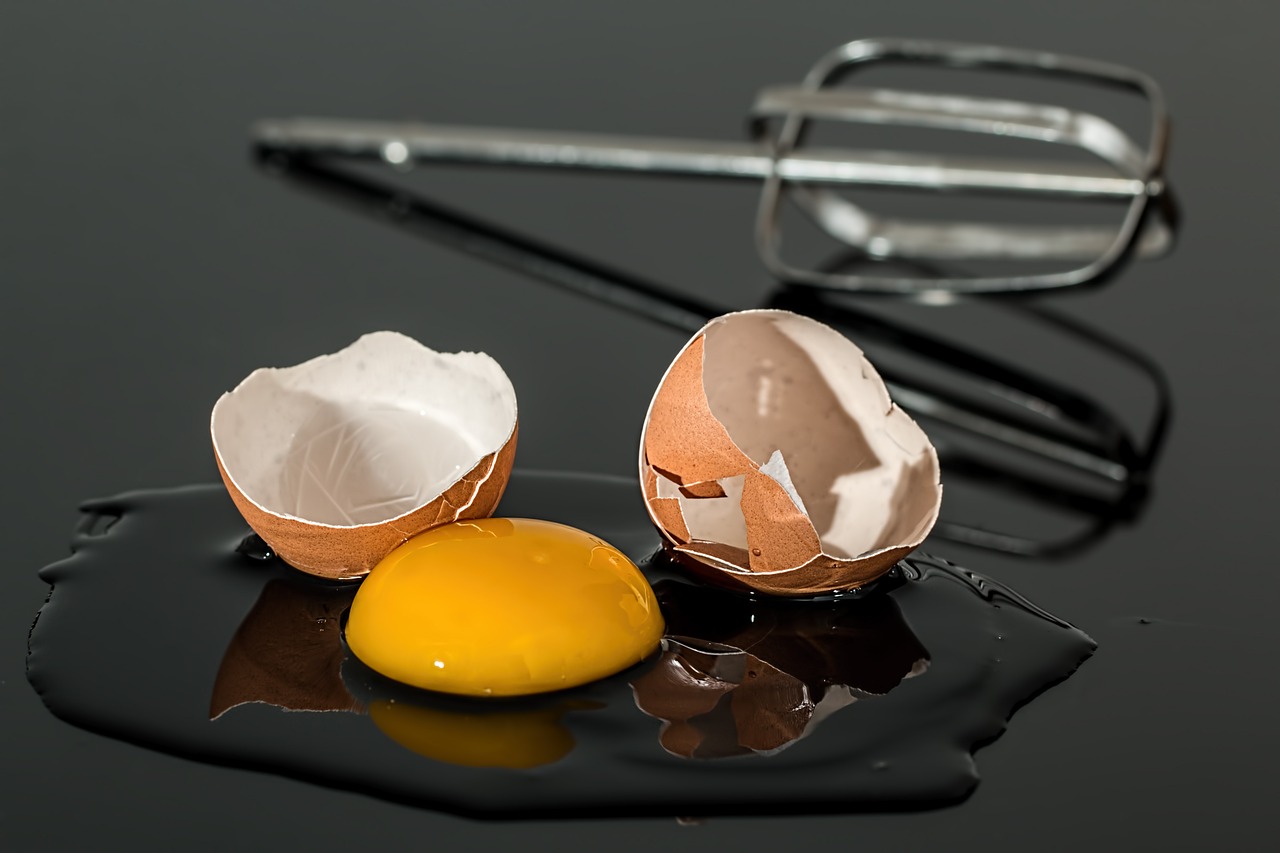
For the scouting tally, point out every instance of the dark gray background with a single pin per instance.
(146, 267)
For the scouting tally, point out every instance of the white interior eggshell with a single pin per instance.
(772, 459)
(337, 460)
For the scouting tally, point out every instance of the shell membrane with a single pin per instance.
(773, 460)
(337, 460)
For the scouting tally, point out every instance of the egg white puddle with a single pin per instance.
(145, 615)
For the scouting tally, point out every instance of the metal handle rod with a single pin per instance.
(402, 143)
(991, 116)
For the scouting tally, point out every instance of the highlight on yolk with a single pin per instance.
(503, 607)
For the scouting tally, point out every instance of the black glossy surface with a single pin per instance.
(147, 265)
(159, 633)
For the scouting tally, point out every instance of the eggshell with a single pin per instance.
(773, 460)
(336, 461)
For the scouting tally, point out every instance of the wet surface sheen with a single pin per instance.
(161, 630)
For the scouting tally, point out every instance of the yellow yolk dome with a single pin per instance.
(503, 607)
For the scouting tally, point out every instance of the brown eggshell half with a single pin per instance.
(773, 460)
(336, 461)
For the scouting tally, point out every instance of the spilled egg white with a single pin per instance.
(336, 461)
(772, 459)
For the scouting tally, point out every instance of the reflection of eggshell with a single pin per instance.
(772, 459)
(336, 461)
(807, 660)
(288, 651)
(708, 715)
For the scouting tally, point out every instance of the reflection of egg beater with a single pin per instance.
(1036, 440)
(1014, 436)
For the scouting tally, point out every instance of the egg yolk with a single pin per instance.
(503, 607)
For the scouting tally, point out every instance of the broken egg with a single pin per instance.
(503, 607)
(773, 460)
(336, 461)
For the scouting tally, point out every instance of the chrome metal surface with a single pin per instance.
(945, 240)
(884, 237)
(953, 112)
(399, 143)
(1121, 171)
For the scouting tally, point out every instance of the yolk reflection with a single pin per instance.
(503, 607)
(517, 739)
